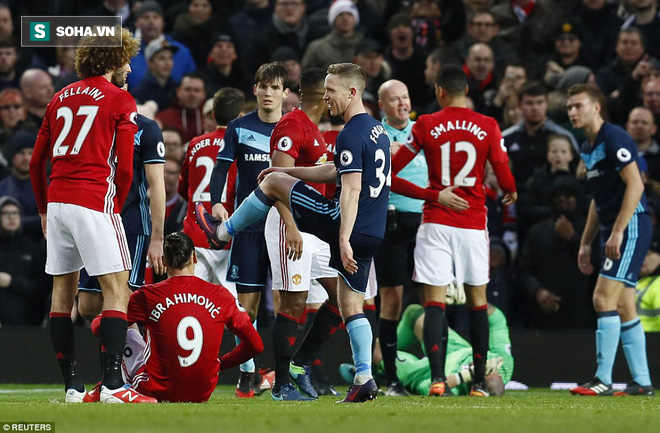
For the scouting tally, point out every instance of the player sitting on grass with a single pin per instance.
(184, 318)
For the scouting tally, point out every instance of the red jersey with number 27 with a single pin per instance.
(300, 138)
(79, 134)
(457, 142)
(184, 317)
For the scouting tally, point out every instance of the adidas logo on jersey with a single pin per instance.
(250, 138)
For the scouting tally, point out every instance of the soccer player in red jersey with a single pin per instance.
(88, 134)
(298, 258)
(228, 104)
(452, 241)
(184, 318)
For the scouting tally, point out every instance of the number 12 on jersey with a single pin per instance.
(461, 178)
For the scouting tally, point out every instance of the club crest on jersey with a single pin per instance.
(284, 144)
(297, 279)
(160, 148)
(346, 157)
(133, 117)
(623, 155)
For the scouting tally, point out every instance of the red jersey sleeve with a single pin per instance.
(40, 156)
(418, 133)
(126, 116)
(288, 137)
(499, 160)
(137, 307)
(240, 324)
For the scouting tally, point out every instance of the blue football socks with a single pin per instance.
(359, 333)
(607, 341)
(254, 208)
(634, 346)
(248, 366)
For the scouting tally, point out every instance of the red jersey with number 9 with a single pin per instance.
(80, 127)
(184, 317)
(457, 142)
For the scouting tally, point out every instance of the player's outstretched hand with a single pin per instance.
(509, 198)
(447, 198)
(294, 243)
(613, 245)
(584, 260)
(347, 259)
(43, 223)
(266, 172)
(219, 212)
(155, 256)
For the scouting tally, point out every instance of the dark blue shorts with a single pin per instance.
(318, 215)
(248, 262)
(636, 242)
(138, 245)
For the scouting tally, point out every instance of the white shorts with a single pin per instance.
(444, 254)
(80, 237)
(317, 294)
(212, 267)
(135, 355)
(295, 276)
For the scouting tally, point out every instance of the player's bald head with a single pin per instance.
(350, 75)
(391, 86)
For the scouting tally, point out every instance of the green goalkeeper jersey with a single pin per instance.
(415, 373)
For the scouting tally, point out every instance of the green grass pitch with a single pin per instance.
(518, 411)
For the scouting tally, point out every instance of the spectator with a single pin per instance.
(24, 286)
(175, 205)
(288, 27)
(243, 25)
(651, 100)
(568, 51)
(560, 295)
(157, 84)
(629, 52)
(18, 184)
(223, 69)
(340, 45)
(13, 116)
(482, 27)
(514, 77)
(437, 23)
(291, 62)
(185, 114)
(150, 22)
(110, 8)
(37, 87)
(64, 71)
(6, 21)
(406, 59)
(526, 26)
(647, 20)
(533, 205)
(195, 28)
(174, 146)
(600, 27)
(642, 127)
(526, 141)
(479, 68)
(9, 75)
(291, 101)
(370, 58)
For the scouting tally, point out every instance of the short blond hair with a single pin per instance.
(350, 74)
(95, 61)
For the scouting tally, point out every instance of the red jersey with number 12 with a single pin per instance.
(80, 126)
(184, 317)
(457, 142)
(300, 138)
